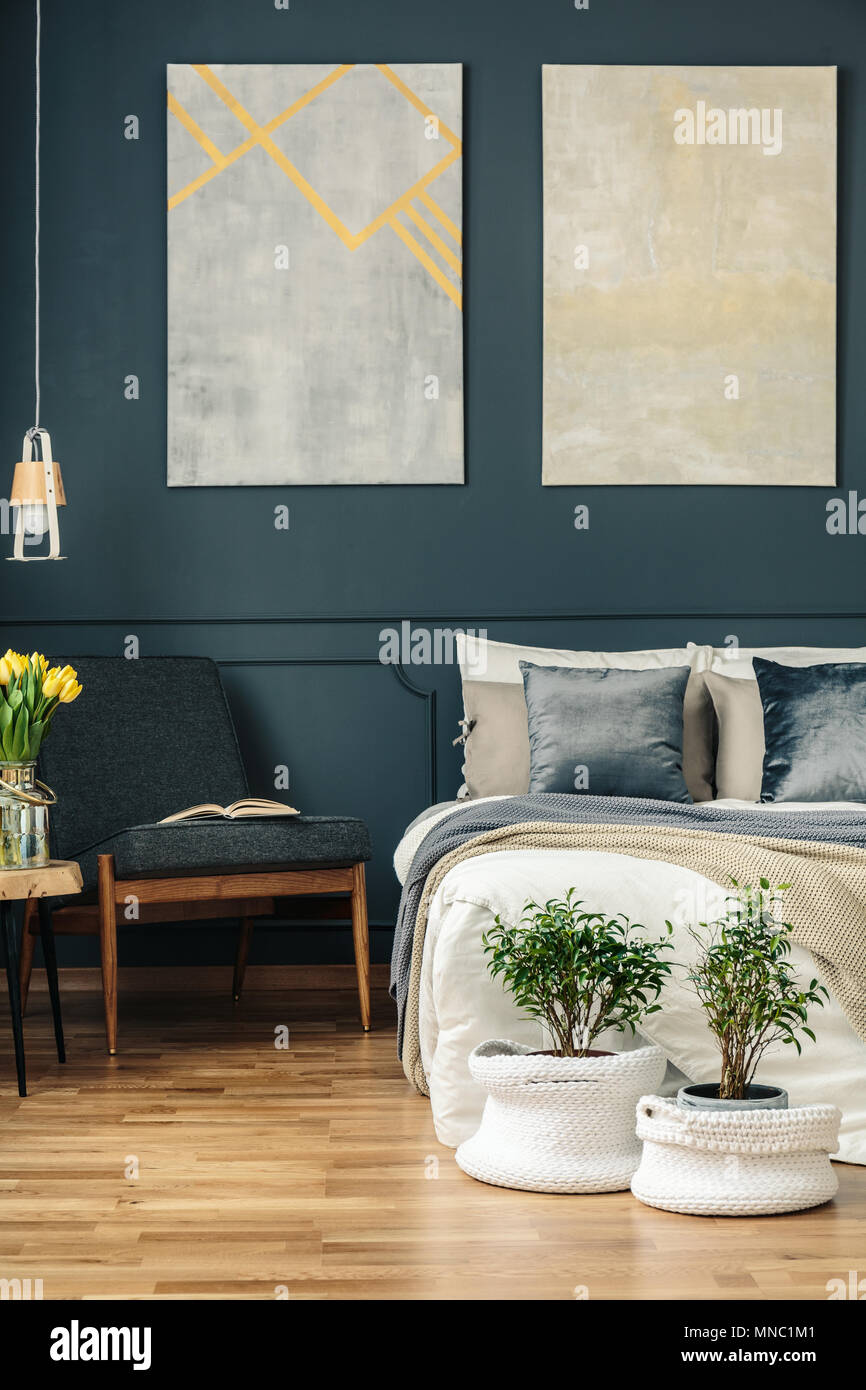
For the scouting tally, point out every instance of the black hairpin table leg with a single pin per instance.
(46, 933)
(10, 943)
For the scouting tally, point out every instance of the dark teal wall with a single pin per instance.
(501, 552)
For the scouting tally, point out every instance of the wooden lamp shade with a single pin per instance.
(28, 484)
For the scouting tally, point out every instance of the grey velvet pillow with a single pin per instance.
(814, 731)
(606, 733)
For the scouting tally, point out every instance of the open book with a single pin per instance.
(249, 806)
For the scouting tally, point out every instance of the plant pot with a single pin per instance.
(735, 1162)
(705, 1096)
(557, 1124)
(24, 806)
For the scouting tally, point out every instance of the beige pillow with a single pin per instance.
(698, 738)
(740, 752)
(497, 746)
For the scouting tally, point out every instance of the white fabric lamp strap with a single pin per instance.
(48, 500)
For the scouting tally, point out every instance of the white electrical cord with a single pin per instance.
(36, 219)
(36, 432)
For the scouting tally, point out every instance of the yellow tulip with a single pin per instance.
(68, 673)
(71, 691)
(52, 682)
(5, 671)
(16, 661)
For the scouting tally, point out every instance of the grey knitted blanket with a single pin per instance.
(828, 827)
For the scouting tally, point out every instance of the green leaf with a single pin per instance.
(19, 739)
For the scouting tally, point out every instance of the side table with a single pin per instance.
(59, 878)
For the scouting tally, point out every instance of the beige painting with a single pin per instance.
(690, 275)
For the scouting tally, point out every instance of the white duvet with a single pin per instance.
(461, 1006)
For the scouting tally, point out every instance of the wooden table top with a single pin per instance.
(52, 880)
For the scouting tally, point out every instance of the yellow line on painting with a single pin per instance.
(451, 228)
(262, 138)
(430, 266)
(248, 145)
(435, 241)
(260, 135)
(195, 131)
(405, 198)
(309, 96)
(418, 103)
(210, 173)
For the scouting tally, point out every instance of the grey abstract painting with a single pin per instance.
(314, 274)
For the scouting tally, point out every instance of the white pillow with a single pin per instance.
(481, 659)
(737, 661)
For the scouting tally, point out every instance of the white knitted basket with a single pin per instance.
(558, 1124)
(735, 1163)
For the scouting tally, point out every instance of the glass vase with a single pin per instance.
(23, 817)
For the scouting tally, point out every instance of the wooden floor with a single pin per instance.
(314, 1173)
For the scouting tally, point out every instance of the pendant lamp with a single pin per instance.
(37, 486)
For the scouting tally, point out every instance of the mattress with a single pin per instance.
(461, 1006)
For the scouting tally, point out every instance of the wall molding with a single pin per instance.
(428, 696)
(439, 616)
(418, 692)
(429, 618)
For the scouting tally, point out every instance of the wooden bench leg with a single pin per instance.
(28, 946)
(361, 940)
(108, 946)
(243, 951)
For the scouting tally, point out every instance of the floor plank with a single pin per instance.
(203, 1162)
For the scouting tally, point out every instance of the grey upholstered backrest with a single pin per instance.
(143, 739)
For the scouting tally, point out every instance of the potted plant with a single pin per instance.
(562, 1119)
(733, 1147)
(751, 999)
(30, 693)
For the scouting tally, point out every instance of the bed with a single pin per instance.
(462, 863)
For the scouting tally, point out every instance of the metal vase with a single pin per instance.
(24, 803)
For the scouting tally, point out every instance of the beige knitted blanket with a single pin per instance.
(826, 904)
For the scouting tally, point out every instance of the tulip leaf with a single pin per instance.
(8, 737)
(19, 740)
(37, 731)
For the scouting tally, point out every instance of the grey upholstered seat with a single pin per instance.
(155, 851)
(152, 736)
